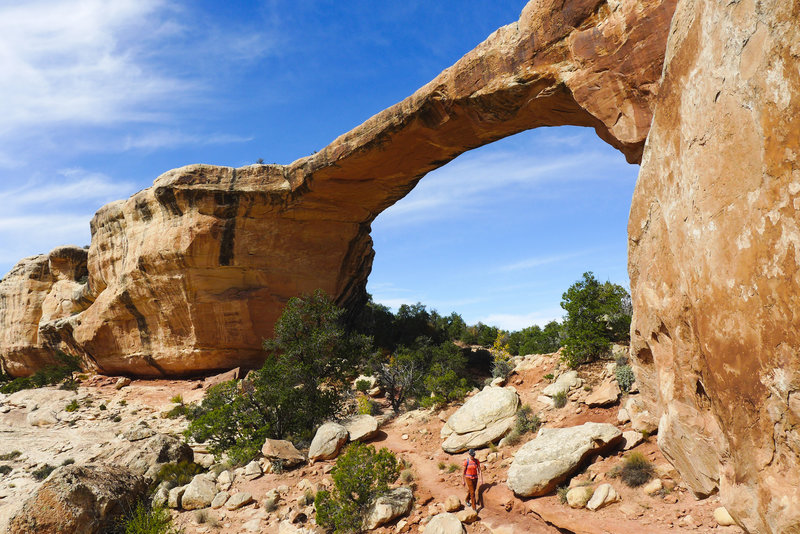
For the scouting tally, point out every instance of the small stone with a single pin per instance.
(452, 504)
(175, 496)
(467, 516)
(220, 499)
(578, 497)
(632, 438)
(603, 495)
(122, 382)
(224, 480)
(723, 517)
(237, 500)
(623, 416)
(653, 487)
(253, 470)
(404, 436)
(253, 525)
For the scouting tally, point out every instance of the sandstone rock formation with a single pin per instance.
(714, 252)
(81, 500)
(483, 419)
(327, 442)
(555, 454)
(190, 275)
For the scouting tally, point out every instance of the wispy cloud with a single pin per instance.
(161, 139)
(538, 261)
(73, 185)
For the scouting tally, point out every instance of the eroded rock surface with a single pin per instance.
(714, 253)
(190, 275)
(483, 419)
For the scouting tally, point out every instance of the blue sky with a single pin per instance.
(99, 97)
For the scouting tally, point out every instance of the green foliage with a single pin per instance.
(177, 399)
(72, 406)
(178, 474)
(13, 455)
(302, 383)
(527, 421)
(43, 471)
(360, 476)
(636, 470)
(46, 377)
(367, 406)
(452, 468)
(625, 377)
(597, 314)
(501, 358)
(362, 385)
(562, 494)
(147, 520)
(428, 372)
(103, 407)
(5, 469)
(549, 376)
(560, 399)
(536, 340)
(68, 461)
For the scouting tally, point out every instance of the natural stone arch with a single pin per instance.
(190, 274)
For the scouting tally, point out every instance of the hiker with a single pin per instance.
(472, 470)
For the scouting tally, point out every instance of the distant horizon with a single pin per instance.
(101, 98)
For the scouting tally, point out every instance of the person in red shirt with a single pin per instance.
(472, 470)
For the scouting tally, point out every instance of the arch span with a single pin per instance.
(190, 274)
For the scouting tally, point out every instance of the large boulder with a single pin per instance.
(283, 450)
(564, 383)
(395, 503)
(199, 493)
(327, 442)
(146, 457)
(361, 427)
(555, 454)
(606, 393)
(483, 419)
(80, 500)
(444, 524)
(205, 239)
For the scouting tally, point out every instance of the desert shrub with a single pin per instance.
(636, 470)
(501, 358)
(560, 399)
(5, 469)
(13, 455)
(48, 376)
(597, 314)
(452, 468)
(43, 471)
(442, 466)
(562, 494)
(527, 421)
(68, 461)
(407, 476)
(302, 383)
(549, 376)
(103, 407)
(621, 359)
(147, 520)
(625, 377)
(278, 466)
(177, 399)
(116, 418)
(179, 473)
(360, 476)
(72, 406)
(362, 385)
(367, 406)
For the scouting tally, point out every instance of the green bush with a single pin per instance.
(367, 406)
(147, 520)
(72, 406)
(636, 470)
(43, 471)
(5, 469)
(302, 383)
(560, 399)
(625, 377)
(527, 421)
(597, 314)
(549, 376)
(46, 377)
(178, 474)
(359, 477)
(362, 385)
(13, 455)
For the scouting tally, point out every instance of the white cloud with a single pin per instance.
(160, 139)
(509, 321)
(530, 263)
(88, 188)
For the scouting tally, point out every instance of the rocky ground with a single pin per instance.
(110, 421)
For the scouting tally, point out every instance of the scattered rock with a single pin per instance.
(722, 517)
(632, 438)
(225, 480)
(138, 432)
(80, 500)
(579, 497)
(199, 493)
(483, 419)
(565, 382)
(606, 393)
(603, 495)
(220, 499)
(546, 461)
(146, 457)
(254, 525)
(175, 497)
(387, 507)
(42, 417)
(641, 419)
(327, 442)
(361, 427)
(653, 487)
(444, 524)
(281, 449)
(467, 516)
(623, 416)
(452, 504)
(122, 382)
(253, 470)
(237, 500)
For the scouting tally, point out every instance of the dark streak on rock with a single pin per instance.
(230, 203)
(141, 322)
(166, 197)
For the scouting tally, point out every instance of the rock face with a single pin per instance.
(714, 247)
(483, 419)
(543, 463)
(190, 275)
(81, 500)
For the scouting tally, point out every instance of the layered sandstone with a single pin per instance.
(190, 275)
(714, 253)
